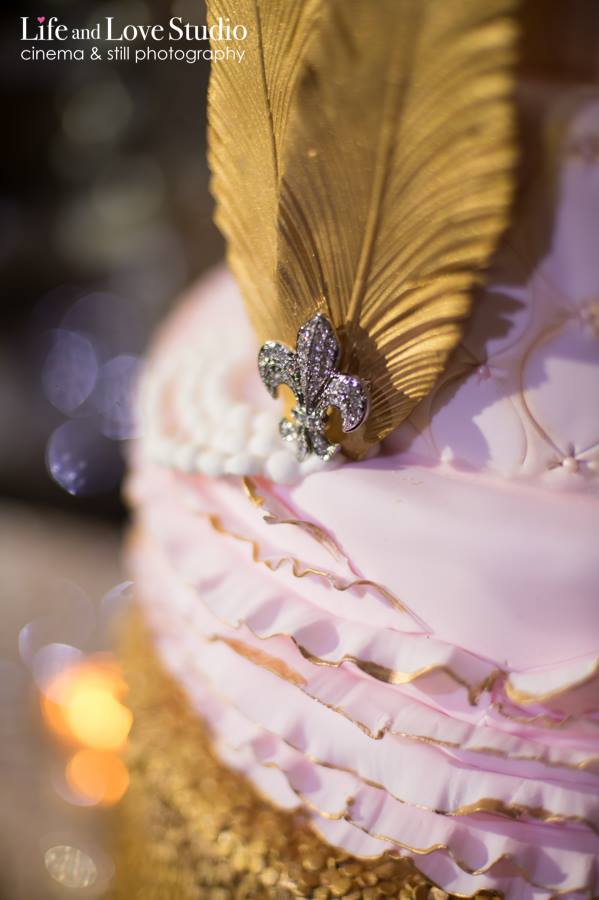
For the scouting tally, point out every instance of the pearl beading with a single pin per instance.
(193, 420)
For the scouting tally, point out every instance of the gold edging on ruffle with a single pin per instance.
(329, 543)
(260, 658)
(380, 733)
(296, 568)
(482, 870)
(376, 670)
(474, 691)
(586, 764)
(316, 531)
(523, 697)
(542, 720)
(190, 827)
(251, 491)
(516, 811)
(392, 676)
(345, 815)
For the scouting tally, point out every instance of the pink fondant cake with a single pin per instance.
(406, 647)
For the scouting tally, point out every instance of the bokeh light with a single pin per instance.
(70, 866)
(82, 461)
(96, 718)
(70, 370)
(51, 662)
(97, 776)
(113, 397)
(106, 216)
(82, 705)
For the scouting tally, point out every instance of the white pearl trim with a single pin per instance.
(193, 421)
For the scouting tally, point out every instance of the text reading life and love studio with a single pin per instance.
(49, 39)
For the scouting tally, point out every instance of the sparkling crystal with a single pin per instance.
(311, 374)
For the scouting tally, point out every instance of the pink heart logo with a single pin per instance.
(41, 19)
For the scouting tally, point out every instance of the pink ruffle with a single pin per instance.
(295, 742)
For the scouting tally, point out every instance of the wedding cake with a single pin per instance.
(373, 670)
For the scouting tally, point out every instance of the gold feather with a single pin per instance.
(248, 105)
(393, 179)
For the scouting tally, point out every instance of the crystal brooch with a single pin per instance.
(311, 373)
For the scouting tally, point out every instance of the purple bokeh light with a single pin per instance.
(70, 370)
(82, 461)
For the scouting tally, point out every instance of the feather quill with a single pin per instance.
(392, 126)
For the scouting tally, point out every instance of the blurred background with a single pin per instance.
(105, 216)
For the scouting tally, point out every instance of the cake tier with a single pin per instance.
(324, 689)
(404, 648)
(191, 828)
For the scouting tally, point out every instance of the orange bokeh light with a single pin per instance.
(83, 705)
(97, 776)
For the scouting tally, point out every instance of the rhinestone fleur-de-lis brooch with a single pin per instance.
(311, 374)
